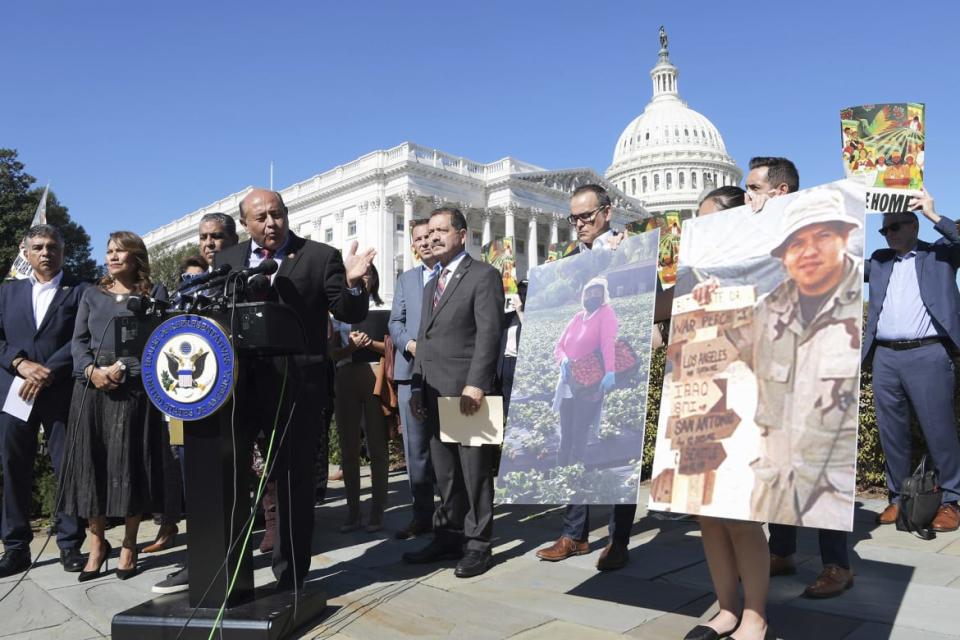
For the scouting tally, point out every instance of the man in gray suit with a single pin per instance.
(457, 348)
(404, 326)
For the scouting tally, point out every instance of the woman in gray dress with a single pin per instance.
(116, 463)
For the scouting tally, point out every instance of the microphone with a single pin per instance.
(257, 288)
(203, 278)
(147, 306)
(267, 267)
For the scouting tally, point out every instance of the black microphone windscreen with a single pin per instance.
(268, 266)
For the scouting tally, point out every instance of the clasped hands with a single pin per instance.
(106, 379)
(36, 376)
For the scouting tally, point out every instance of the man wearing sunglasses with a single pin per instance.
(913, 327)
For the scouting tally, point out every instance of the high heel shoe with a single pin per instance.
(90, 575)
(126, 574)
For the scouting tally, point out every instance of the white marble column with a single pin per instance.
(508, 219)
(487, 232)
(573, 233)
(387, 239)
(409, 200)
(533, 255)
(554, 228)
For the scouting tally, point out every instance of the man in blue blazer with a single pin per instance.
(912, 331)
(36, 326)
(404, 325)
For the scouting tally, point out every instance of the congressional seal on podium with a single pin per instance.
(188, 367)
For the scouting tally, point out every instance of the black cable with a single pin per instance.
(64, 466)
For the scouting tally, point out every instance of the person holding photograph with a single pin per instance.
(736, 550)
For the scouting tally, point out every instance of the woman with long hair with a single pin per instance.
(736, 550)
(357, 350)
(115, 466)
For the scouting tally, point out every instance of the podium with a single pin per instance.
(217, 461)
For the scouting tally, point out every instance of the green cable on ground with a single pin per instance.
(263, 479)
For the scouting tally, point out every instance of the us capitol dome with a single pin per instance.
(669, 155)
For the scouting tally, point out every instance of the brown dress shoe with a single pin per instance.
(889, 515)
(165, 537)
(782, 565)
(563, 549)
(614, 556)
(948, 518)
(831, 582)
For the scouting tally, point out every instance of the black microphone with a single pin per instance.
(147, 306)
(267, 267)
(203, 278)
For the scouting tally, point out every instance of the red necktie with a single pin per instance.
(441, 285)
(263, 253)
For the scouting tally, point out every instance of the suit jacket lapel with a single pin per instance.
(923, 250)
(292, 255)
(880, 273)
(453, 281)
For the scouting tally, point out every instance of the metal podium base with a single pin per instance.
(269, 616)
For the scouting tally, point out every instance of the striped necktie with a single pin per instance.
(441, 285)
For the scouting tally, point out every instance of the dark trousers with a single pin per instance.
(258, 396)
(576, 522)
(507, 370)
(465, 480)
(577, 417)
(18, 440)
(833, 544)
(416, 451)
(923, 379)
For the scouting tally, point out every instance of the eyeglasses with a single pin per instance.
(892, 227)
(585, 218)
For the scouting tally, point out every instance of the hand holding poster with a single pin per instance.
(761, 389)
(883, 147)
(576, 420)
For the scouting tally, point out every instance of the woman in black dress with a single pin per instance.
(115, 467)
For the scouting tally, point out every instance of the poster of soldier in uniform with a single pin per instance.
(883, 147)
(574, 432)
(761, 390)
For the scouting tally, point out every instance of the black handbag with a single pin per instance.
(920, 499)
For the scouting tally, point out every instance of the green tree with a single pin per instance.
(18, 203)
(165, 263)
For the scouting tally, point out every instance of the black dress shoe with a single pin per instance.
(72, 560)
(90, 575)
(474, 563)
(434, 552)
(14, 561)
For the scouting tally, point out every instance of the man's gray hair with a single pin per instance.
(44, 231)
(227, 222)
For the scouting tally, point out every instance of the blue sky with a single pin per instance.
(138, 113)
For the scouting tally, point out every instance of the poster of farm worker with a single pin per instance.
(574, 433)
(761, 395)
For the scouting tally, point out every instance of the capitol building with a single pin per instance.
(662, 162)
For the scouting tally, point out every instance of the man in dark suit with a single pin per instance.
(36, 326)
(404, 326)
(457, 349)
(313, 280)
(913, 327)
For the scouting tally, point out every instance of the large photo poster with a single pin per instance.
(883, 147)
(668, 223)
(761, 389)
(574, 433)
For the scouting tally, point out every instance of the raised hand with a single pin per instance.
(924, 204)
(357, 264)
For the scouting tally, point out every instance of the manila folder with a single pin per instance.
(483, 427)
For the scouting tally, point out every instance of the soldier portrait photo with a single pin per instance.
(761, 394)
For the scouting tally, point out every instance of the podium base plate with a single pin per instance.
(269, 616)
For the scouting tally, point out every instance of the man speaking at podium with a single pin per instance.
(312, 279)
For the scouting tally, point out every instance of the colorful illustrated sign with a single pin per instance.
(883, 147)
(575, 423)
(669, 224)
(500, 254)
(558, 250)
(758, 419)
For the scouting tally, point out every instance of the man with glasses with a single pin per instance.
(590, 213)
(912, 330)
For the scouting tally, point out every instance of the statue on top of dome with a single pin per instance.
(663, 37)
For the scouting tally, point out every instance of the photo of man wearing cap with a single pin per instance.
(803, 347)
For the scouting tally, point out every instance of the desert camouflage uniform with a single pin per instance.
(808, 380)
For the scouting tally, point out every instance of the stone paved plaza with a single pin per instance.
(906, 588)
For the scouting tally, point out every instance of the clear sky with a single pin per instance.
(141, 112)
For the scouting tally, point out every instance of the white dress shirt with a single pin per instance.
(43, 293)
